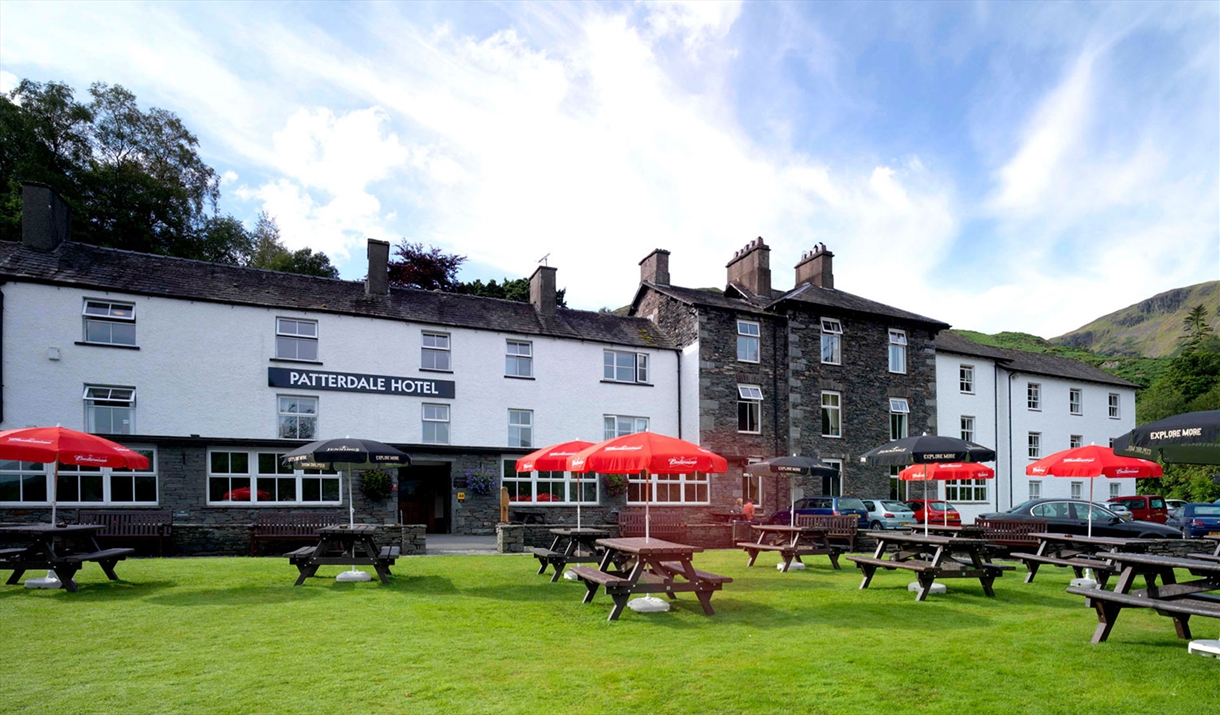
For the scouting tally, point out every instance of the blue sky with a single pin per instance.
(997, 166)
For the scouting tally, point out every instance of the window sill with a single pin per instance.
(832, 436)
(435, 369)
(270, 504)
(299, 362)
(619, 382)
(107, 345)
(836, 364)
(519, 377)
(749, 432)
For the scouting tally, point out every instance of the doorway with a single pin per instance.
(423, 496)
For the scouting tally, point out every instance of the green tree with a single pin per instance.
(1197, 329)
(517, 289)
(267, 250)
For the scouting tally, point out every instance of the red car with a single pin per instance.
(935, 511)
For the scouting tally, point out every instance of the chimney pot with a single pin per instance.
(655, 268)
(751, 268)
(378, 282)
(816, 267)
(46, 220)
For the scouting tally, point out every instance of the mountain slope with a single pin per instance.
(1150, 328)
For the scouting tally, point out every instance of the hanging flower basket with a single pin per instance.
(481, 481)
(614, 484)
(376, 484)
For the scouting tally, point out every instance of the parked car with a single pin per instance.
(1123, 512)
(935, 511)
(1070, 516)
(888, 514)
(1172, 506)
(825, 506)
(1197, 519)
(1144, 507)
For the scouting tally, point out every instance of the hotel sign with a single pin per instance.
(356, 382)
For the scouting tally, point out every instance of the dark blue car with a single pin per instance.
(824, 506)
(1195, 520)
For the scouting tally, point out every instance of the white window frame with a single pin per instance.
(437, 414)
(836, 482)
(898, 351)
(1116, 489)
(900, 421)
(621, 425)
(1033, 396)
(285, 415)
(294, 337)
(436, 348)
(253, 473)
(691, 488)
(107, 314)
(638, 367)
(29, 473)
(1075, 440)
(111, 398)
(1077, 490)
(749, 399)
(965, 379)
(518, 358)
(1076, 401)
(1114, 403)
(967, 427)
(832, 341)
(835, 410)
(1034, 445)
(745, 338)
(1035, 489)
(529, 487)
(966, 490)
(520, 428)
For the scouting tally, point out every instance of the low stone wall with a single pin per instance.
(234, 540)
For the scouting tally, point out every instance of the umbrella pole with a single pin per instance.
(351, 505)
(579, 495)
(926, 506)
(54, 491)
(647, 501)
(1091, 507)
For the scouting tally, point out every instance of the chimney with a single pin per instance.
(751, 268)
(655, 268)
(542, 290)
(378, 282)
(46, 221)
(816, 268)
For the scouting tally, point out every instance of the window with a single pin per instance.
(109, 323)
(549, 487)
(1035, 489)
(967, 428)
(832, 424)
(832, 334)
(436, 424)
(296, 339)
(1115, 489)
(26, 482)
(1035, 445)
(965, 379)
(833, 486)
(1033, 396)
(1076, 401)
(747, 341)
(619, 425)
(625, 367)
(298, 417)
(899, 410)
(669, 489)
(965, 490)
(749, 408)
(23, 482)
(245, 477)
(898, 351)
(896, 484)
(1075, 441)
(1112, 399)
(520, 428)
(520, 359)
(1077, 490)
(751, 487)
(434, 352)
(110, 410)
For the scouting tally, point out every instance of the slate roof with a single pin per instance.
(94, 267)
(1033, 363)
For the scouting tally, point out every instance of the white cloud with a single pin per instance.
(697, 22)
(8, 81)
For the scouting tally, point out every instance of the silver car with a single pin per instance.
(888, 514)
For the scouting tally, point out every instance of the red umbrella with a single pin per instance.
(943, 471)
(554, 459)
(59, 445)
(646, 452)
(1091, 462)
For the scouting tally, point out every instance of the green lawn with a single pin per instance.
(485, 634)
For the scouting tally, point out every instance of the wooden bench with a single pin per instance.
(1003, 535)
(280, 526)
(666, 526)
(1204, 557)
(126, 525)
(67, 566)
(1108, 605)
(840, 529)
(1078, 564)
(675, 567)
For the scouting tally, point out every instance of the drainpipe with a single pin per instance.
(679, 356)
(1, 357)
(1011, 377)
(995, 404)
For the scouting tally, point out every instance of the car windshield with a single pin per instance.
(1156, 503)
(895, 506)
(1023, 506)
(938, 505)
(851, 504)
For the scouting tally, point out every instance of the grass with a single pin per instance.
(485, 634)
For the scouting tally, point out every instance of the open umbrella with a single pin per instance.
(943, 471)
(555, 459)
(1190, 438)
(347, 454)
(791, 467)
(1089, 463)
(927, 449)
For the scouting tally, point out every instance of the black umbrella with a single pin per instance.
(1191, 438)
(791, 467)
(347, 454)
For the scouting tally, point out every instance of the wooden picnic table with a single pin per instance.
(1078, 552)
(344, 545)
(930, 557)
(1178, 601)
(648, 566)
(570, 546)
(1214, 555)
(969, 531)
(61, 548)
(791, 542)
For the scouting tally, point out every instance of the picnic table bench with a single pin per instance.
(289, 526)
(840, 529)
(343, 545)
(51, 548)
(1078, 553)
(1004, 535)
(126, 525)
(930, 557)
(648, 566)
(1214, 555)
(791, 543)
(662, 525)
(570, 546)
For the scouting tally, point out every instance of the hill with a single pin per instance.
(1150, 328)
(1142, 371)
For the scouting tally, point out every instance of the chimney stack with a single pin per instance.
(655, 268)
(751, 268)
(816, 267)
(46, 221)
(378, 282)
(542, 290)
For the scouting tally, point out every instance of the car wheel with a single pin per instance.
(876, 525)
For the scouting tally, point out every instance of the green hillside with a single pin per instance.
(1150, 328)
(1140, 370)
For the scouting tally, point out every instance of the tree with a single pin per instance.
(1197, 329)
(516, 289)
(268, 251)
(426, 268)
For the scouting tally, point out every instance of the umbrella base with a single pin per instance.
(48, 581)
(794, 566)
(935, 588)
(1207, 649)
(1084, 582)
(570, 575)
(648, 604)
(345, 576)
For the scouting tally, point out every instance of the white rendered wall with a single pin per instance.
(201, 369)
(952, 404)
(690, 392)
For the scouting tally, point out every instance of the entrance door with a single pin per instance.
(423, 496)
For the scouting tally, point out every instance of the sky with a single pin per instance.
(1010, 166)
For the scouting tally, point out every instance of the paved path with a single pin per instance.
(460, 544)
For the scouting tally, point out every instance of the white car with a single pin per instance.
(888, 514)
(1119, 510)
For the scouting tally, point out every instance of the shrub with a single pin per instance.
(376, 484)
